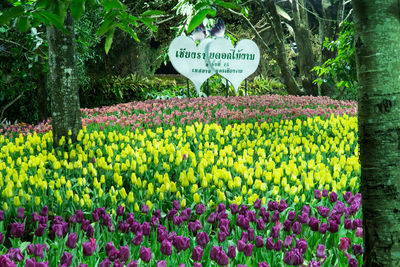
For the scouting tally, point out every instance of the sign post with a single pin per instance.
(210, 56)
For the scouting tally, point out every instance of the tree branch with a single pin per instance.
(9, 105)
(250, 24)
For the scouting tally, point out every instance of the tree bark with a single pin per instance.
(377, 31)
(281, 56)
(63, 82)
(305, 58)
(329, 29)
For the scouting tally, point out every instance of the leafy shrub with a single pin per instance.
(340, 71)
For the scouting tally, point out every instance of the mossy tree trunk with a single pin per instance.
(281, 55)
(306, 57)
(63, 82)
(377, 32)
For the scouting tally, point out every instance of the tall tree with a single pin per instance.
(63, 81)
(377, 31)
(59, 17)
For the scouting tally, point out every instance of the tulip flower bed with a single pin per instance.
(215, 181)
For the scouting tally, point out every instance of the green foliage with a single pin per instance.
(340, 71)
(22, 65)
(116, 89)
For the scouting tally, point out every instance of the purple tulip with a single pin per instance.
(145, 209)
(232, 252)
(344, 243)
(260, 224)
(211, 218)
(118, 263)
(241, 265)
(161, 264)
(323, 228)
(197, 264)
(15, 254)
(222, 235)
(317, 194)
(146, 229)
(176, 205)
(89, 247)
(278, 245)
(202, 239)
(166, 247)
(200, 209)
(269, 244)
(263, 264)
(314, 224)
(138, 239)
(325, 193)
(333, 197)
(303, 218)
(71, 241)
(17, 230)
(181, 243)
(171, 214)
(359, 232)
(257, 204)
(243, 222)
(234, 208)
(111, 251)
(358, 249)
(259, 241)
(293, 257)
(105, 263)
(272, 205)
(21, 213)
(333, 226)
(275, 216)
(288, 241)
(6, 261)
(282, 205)
(287, 225)
(240, 245)
(353, 263)
(123, 253)
(323, 211)
(291, 215)
(120, 210)
(66, 259)
(348, 224)
(161, 234)
(214, 252)
(321, 251)
(132, 263)
(275, 232)
(40, 230)
(44, 211)
(185, 214)
(296, 228)
(221, 207)
(197, 253)
(145, 254)
(301, 244)
(82, 265)
(251, 215)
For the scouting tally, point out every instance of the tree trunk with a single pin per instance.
(281, 56)
(329, 29)
(63, 82)
(41, 90)
(305, 58)
(377, 31)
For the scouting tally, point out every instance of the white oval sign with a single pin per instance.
(233, 63)
(190, 60)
